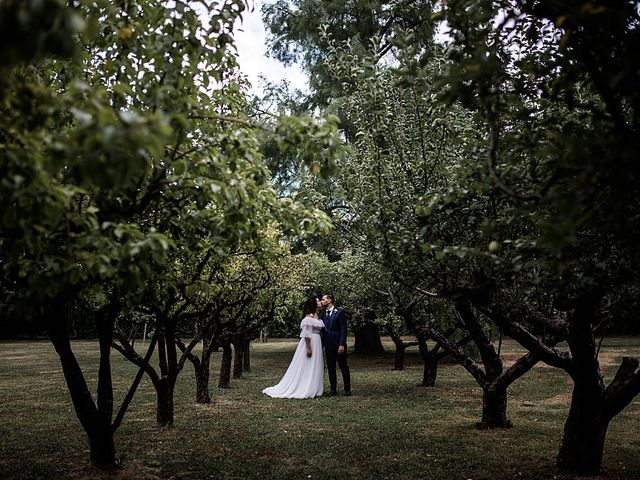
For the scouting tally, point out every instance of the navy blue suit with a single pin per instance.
(335, 335)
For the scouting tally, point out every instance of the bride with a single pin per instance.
(305, 376)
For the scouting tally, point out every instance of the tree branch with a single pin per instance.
(623, 388)
(546, 353)
(515, 371)
(130, 354)
(464, 360)
(187, 352)
(136, 381)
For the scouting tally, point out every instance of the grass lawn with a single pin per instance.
(390, 428)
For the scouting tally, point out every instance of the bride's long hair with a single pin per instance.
(310, 306)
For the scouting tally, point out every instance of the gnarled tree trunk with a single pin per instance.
(592, 405)
(494, 408)
(585, 431)
(202, 367)
(238, 355)
(430, 370)
(398, 359)
(494, 380)
(101, 446)
(225, 364)
(494, 397)
(164, 402)
(202, 381)
(96, 424)
(247, 355)
(430, 362)
(165, 385)
(401, 347)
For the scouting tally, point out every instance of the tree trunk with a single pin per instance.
(102, 447)
(430, 371)
(225, 365)
(367, 339)
(164, 410)
(586, 426)
(202, 381)
(584, 432)
(496, 381)
(203, 369)
(98, 429)
(247, 356)
(494, 408)
(401, 348)
(105, 322)
(238, 356)
(398, 363)
(430, 361)
(101, 442)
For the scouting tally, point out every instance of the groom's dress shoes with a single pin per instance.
(347, 393)
(332, 394)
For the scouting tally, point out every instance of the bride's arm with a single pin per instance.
(307, 341)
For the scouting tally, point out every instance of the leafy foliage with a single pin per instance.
(125, 163)
(300, 28)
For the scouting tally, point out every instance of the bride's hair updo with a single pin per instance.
(310, 306)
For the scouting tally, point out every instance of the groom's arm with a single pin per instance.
(342, 321)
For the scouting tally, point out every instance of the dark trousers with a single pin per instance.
(331, 353)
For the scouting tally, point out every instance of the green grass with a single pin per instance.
(391, 428)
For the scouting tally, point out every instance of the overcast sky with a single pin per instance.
(250, 40)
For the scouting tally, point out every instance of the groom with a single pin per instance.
(335, 336)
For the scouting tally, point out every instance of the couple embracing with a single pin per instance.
(305, 376)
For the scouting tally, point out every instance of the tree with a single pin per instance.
(404, 146)
(415, 198)
(55, 247)
(232, 304)
(492, 377)
(423, 315)
(299, 30)
(140, 98)
(553, 85)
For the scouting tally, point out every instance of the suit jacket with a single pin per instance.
(335, 327)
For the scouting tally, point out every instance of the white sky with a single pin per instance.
(250, 39)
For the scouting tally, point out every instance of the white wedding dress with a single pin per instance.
(305, 376)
